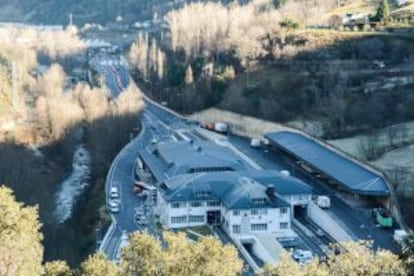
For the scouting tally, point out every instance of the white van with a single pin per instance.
(255, 143)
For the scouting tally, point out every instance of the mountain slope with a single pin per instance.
(57, 11)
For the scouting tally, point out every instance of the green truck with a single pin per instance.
(383, 217)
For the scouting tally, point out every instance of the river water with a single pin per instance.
(73, 186)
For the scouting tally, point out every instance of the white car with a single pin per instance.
(114, 206)
(114, 193)
(302, 256)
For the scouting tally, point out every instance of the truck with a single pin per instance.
(399, 236)
(216, 126)
(285, 172)
(221, 127)
(323, 202)
(383, 217)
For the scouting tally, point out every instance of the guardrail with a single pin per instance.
(108, 182)
(107, 236)
(163, 107)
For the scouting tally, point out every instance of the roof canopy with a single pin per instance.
(352, 175)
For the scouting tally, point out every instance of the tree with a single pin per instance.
(189, 79)
(57, 268)
(408, 253)
(287, 266)
(383, 12)
(138, 55)
(356, 258)
(21, 251)
(144, 256)
(361, 259)
(98, 265)
(335, 22)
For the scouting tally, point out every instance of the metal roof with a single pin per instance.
(353, 176)
(181, 157)
(236, 190)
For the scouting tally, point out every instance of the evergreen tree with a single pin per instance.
(383, 12)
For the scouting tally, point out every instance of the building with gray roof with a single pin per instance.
(220, 197)
(169, 159)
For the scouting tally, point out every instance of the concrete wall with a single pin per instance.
(328, 224)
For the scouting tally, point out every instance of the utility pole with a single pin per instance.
(70, 19)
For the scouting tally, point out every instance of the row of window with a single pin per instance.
(258, 227)
(196, 204)
(213, 169)
(183, 219)
(254, 212)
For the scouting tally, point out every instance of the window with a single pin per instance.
(176, 205)
(283, 225)
(212, 169)
(213, 203)
(180, 219)
(259, 201)
(254, 212)
(283, 210)
(259, 227)
(236, 213)
(262, 211)
(202, 193)
(236, 228)
(195, 218)
(196, 204)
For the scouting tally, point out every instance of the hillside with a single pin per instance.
(83, 11)
(57, 12)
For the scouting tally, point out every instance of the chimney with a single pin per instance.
(270, 191)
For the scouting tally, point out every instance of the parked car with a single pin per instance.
(114, 193)
(114, 206)
(302, 256)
